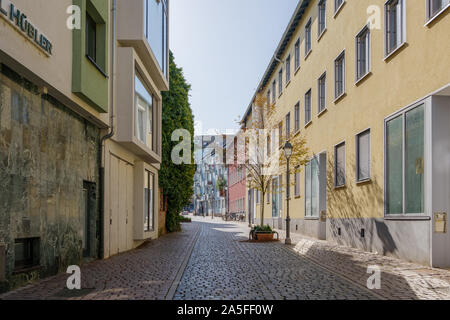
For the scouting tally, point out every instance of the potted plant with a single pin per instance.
(262, 233)
(221, 184)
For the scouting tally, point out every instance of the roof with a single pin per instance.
(286, 38)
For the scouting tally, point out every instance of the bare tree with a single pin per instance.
(262, 155)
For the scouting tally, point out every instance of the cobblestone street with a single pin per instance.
(212, 260)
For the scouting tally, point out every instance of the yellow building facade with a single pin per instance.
(367, 83)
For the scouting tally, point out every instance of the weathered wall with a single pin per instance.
(46, 152)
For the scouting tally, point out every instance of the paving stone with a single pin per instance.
(223, 266)
(230, 268)
(146, 273)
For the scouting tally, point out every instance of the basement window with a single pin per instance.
(26, 252)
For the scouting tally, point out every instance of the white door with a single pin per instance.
(121, 205)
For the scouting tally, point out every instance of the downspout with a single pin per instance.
(108, 135)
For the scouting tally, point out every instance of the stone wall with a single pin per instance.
(46, 154)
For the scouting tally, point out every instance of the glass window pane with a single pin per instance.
(394, 170)
(340, 165)
(156, 30)
(140, 122)
(91, 38)
(414, 158)
(146, 200)
(308, 212)
(314, 188)
(364, 156)
(144, 113)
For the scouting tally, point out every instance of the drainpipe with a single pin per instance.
(277, 59)
(108, 135)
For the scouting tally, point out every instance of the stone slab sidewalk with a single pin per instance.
(400, 280)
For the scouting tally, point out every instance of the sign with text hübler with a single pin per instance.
(22, 23)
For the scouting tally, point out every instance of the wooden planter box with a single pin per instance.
(263, 236)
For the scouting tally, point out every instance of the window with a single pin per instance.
(322, 16)
(144, 113)
(395, 25)
(339, 74)
(288, 125)
(156, 26)
(308, 107)
(308, 37)
(363, 156)
(280, 134)
(268, 98)
(339, 165)
(322, 91)
(337, 5)
(297, 54)
(91, 38)
(268, 194)
(297, 117)
(257, 196)
(288, 69)
(297, 182)
(405, 162)
(268, 146)
(26, 253)
(280, 82)
(435, 6)
(312, 188)
(274, 91)
(362, 53)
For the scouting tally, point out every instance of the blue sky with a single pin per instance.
(224, 47)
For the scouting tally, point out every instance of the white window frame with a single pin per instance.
(319, 109)
(431, 16)
(308, 35)
(357, 153)
(342, 143)
(316, 216)
(338, 7)
(141, 110)
(320, 32)
(288, 69)
(287, 125)
(297, 113)
(364, 31)
(401, 113)
(338, 96)
(297, 182)
(297, 56)
(280, 82)
(402, 40)
(148, 110)
(308, 93)
(274, 90)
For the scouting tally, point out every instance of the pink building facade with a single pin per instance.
(236, 183)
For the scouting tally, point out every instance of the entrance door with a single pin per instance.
(121, 206)
(251, 207)
(89, 209)
(275, 198)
